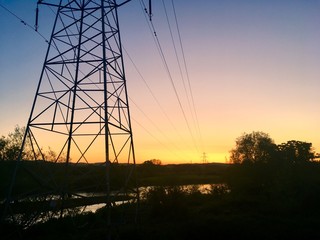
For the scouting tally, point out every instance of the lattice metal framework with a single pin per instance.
(80, 115)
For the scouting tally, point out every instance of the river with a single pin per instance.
(202, 188)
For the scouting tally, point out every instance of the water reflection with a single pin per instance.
(191, 188)
(42, 215)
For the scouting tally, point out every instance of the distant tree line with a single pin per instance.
(258, 147)
(255, 147)
(281, 177)
(152, 162)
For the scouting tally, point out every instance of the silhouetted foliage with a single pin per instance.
(52, 156)
(3, 143)
(259, 201)
(252, 148)
(10, 148)
(284, 175)
(296, 151)
(10, 145)
(153, 162)
(258, 147)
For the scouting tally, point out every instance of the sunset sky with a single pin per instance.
(252, 66)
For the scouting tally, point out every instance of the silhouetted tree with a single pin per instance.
(3, 144)
(10, 148)
(153, 162)
(52, 156)
(10, 145)
(253, 147)
(296, 151)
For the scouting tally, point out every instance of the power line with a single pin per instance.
(187, 72)
(153, 136)
(53, 45)
(175, 51)
(24, 22)
(155, 125)
(164, 61)
(153, 95)
(179, 65)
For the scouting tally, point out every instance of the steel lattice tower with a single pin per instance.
(80, 115)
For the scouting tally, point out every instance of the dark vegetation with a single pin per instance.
(269, 192)
(180, 174)
(261, 201)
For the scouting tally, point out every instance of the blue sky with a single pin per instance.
(253, 66)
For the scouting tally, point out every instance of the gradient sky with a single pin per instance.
(253, 66)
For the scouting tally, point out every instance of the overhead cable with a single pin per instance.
(24, 22)
(187, 72)
(178, 62)
(154, 96)
(164, 61)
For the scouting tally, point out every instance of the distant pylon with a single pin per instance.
(80, 115)
(204, 158)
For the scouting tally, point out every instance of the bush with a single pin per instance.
(166, 202)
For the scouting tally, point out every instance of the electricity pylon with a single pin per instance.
(80, 115)
(204, 158)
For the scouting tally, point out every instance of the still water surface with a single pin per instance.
(202, 188)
